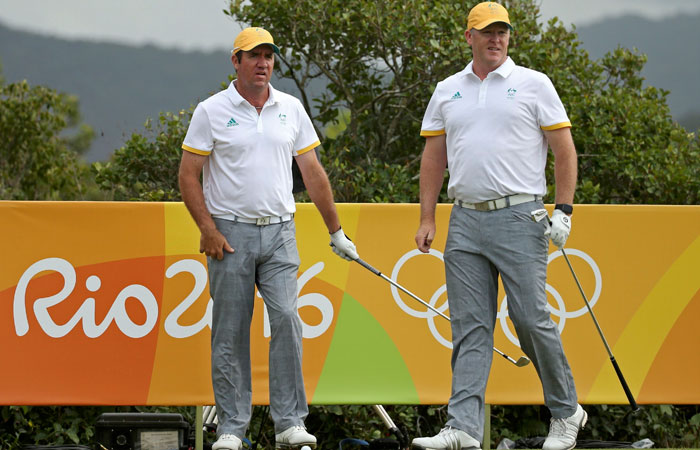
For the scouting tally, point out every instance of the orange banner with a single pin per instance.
(108, 303)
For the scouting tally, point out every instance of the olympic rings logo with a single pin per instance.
(502, 315)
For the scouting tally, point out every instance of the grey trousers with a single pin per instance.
(265, 256)
(481, 245)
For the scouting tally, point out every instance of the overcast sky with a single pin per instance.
(201, 24)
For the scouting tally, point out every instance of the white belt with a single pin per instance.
(499, 203)
(260, 221)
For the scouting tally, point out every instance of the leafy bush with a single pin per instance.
(146, 167)
(668, 426)
(62, 425)
(381, 62)
(42, 136)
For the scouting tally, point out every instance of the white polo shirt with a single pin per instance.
(494, 130)
(248, 173)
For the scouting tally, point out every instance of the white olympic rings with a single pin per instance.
(427, 314)
(502, 315)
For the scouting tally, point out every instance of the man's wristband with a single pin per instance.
(565, 208)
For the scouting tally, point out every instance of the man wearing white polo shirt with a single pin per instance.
(491, 125)
(242, 141)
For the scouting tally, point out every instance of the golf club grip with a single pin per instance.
(368, 267)
(628, 393)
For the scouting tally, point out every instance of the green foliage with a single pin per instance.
(668, 426)
(630, 149)
(333, 423)
(372, 180)
(48, 425)
(382, 60)
(62, 425)
(146, 168)
(42, 136)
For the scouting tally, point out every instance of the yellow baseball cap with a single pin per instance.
(486, 13)
(251, 37)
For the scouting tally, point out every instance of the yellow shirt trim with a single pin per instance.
(556, 126)
(428, 133)
(194, 150)
(310, 147)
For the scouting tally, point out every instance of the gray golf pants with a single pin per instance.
(481, 245)
(265, 256)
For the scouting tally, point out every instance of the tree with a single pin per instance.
(146, 167)
(381, 61)
(42, 136)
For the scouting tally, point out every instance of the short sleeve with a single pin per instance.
(307, 139)
(199, 138)
(433, 121)
(551, 113)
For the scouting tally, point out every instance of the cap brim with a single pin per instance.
(486, 23)
(251, 47)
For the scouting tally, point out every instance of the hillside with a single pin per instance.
(120, 86)
(673, 51)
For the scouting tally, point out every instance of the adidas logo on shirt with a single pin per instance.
(231, 123)
(456, 96)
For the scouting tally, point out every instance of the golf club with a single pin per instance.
(522, 361)
(381, 412)
(537, 216)
(626, 388)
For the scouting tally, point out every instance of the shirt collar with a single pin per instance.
(504, 70)
(237, 99)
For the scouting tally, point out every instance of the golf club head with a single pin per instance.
(522, 361)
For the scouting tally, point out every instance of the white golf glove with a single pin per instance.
(342, 246)
(561, 227)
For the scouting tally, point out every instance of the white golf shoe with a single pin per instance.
(563, 432)
(294, 437)
(447, 439)
(227, 442)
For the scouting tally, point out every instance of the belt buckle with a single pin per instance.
(482, 206)
(262, 221)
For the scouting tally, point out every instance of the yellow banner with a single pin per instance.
(108, 303)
